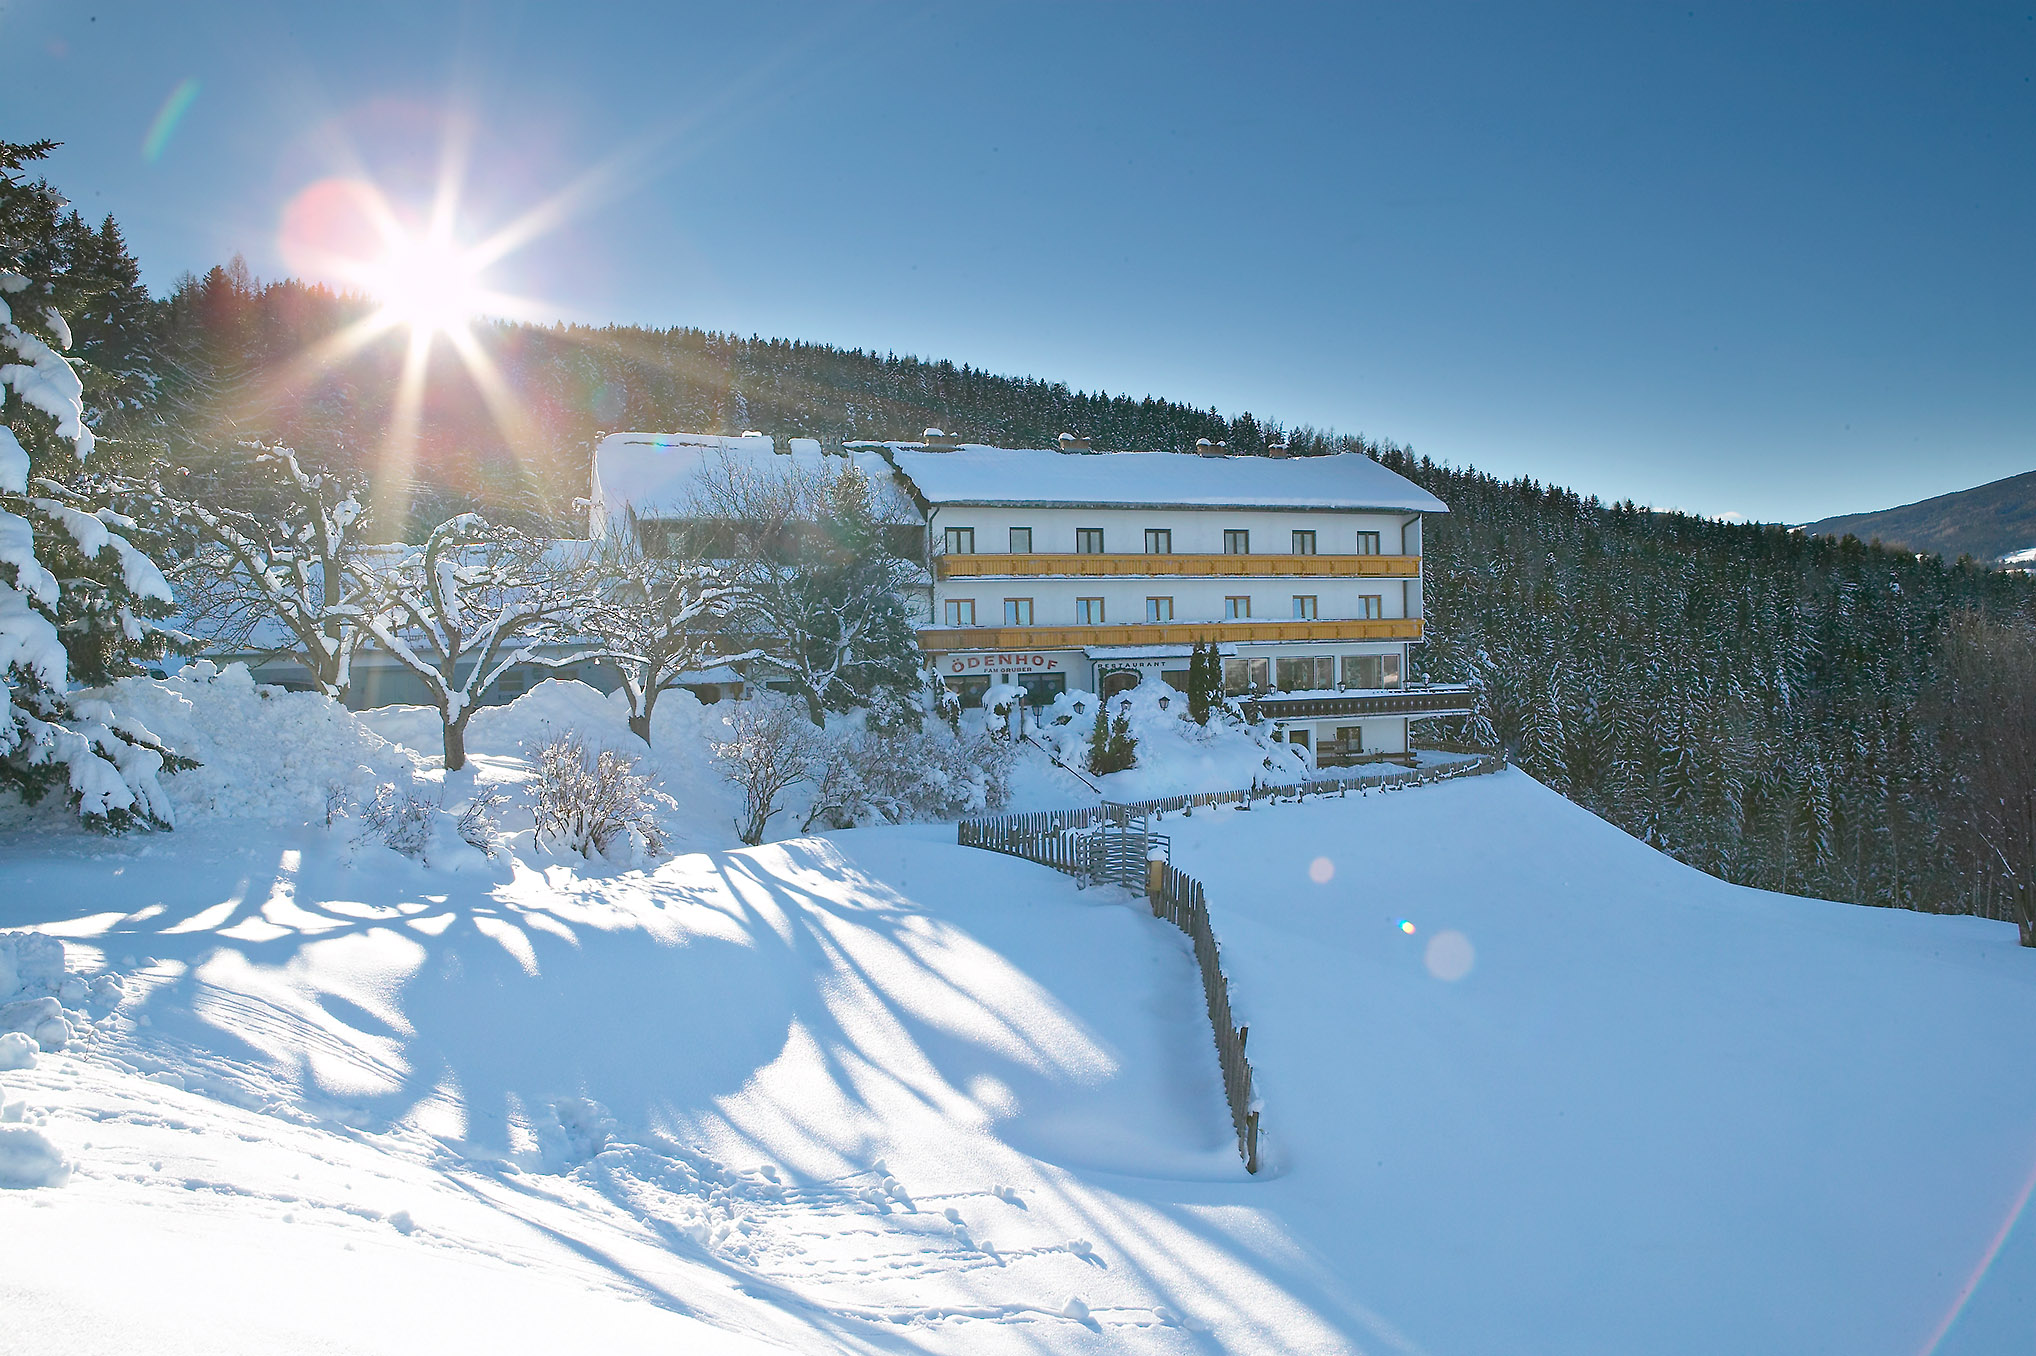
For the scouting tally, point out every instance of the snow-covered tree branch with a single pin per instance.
(296, 564)
(471, 603)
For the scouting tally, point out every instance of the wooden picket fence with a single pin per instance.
(1072, 842)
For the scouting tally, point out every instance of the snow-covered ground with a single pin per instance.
(1596, 1101)
(875, 1092)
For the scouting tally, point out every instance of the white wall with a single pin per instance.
(1195, 531)
(1195, 599)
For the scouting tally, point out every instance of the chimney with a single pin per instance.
(1070, 443)
(937, 441)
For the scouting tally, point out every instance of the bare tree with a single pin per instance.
(768, 749)
(296, 564)
(1987, 721)
(822, 595)
(471, 603)
(664, 616)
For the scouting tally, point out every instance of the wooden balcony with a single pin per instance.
(1188, 566)
(942, 639)
(1439, 699)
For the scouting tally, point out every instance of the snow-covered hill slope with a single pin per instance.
(875, 1092)
(1596, 1101)
(880, 1093)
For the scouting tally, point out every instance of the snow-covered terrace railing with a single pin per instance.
(1061, 839)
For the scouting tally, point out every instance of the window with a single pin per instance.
(1236, 542)
(1089, 611)
(961, 612)
(1370, 605)
(1351, 737)
(1159, 541)
(1089, 541)
(1367, 543)
(1371, 670)
(961, 541)
(1237, 609)
(1304, 606)
(1159, 609)
(1304, 543)
(1021, 541)
(1245, 675)
(1017, 612)
(970, 690)
(1299, 737)
(1306, 674)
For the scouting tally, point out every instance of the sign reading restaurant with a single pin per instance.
(1002, 663)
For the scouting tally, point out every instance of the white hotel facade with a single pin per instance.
(1061, 568)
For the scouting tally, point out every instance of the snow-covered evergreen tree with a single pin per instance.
(80, 603)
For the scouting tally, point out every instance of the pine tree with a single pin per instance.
(1199, 694)
(1099, 740)
(79, 601)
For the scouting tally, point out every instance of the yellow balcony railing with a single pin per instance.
(1332, 567)
(941, 639)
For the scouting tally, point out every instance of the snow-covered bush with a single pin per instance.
(592, 803)
(1172, 751)
(766, 747)
(413, 822)
(869, 777)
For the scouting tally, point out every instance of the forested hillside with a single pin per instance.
(1773, 708)
(1986, 522)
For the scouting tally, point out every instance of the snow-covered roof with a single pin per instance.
(659, 474)
(1047, 477)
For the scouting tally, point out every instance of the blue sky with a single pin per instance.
(1767, 260)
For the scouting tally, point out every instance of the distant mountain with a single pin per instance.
(1987, 523)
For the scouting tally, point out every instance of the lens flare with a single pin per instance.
(1321, 870)
(1406, 925)
(1449, 956)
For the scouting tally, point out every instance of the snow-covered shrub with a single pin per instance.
(1000, 709)
(1173, 752)
(592, 803)
(766, 747)
(414, 822)
(870, 777)
(400, 819)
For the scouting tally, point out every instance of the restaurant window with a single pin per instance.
(1370, 606)
(1021, 541)
(1159, 541)
(1371, 670)
(1017, 612)
(1305, 674)
(1159, 609)
(1089, 541)
(961, 612)
(1304, 543)
(1236, 542)
(1245, 675)
(1304, 607)
(1089, 611)
(1237, 609)
(961, 541)
(1367, 543)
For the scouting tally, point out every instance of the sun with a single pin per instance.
(427, 283)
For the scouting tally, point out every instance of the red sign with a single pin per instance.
(1001, 663)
